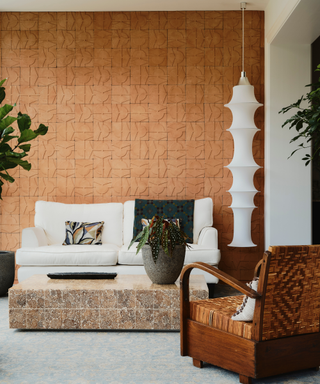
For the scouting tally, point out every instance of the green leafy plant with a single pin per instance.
(307, 122)
(13, 155)
(160, 232)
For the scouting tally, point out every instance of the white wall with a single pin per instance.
(291, 27)
(287, 181)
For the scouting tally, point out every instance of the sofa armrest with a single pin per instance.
(33, 237)
(208, 237)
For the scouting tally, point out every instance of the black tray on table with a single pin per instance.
(82, 275)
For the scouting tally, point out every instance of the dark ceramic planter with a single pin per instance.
(7, 270)
(167, 269)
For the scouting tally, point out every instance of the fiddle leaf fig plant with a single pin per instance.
(306, 121)
(13, 154)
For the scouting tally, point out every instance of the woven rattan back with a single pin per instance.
(292, 296)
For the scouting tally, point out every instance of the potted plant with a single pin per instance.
(163, 246)
(12, 155)
(306, 122)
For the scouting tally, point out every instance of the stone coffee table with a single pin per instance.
(127, 302)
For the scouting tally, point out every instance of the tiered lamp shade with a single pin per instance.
(243, 106)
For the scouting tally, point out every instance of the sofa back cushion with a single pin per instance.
(203, 211)
(51, 216)
(178, 209)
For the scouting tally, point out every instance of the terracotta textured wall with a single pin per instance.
(134, 103)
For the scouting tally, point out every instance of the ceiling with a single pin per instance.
(127, 5)
(302, 27)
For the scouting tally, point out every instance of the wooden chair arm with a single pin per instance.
(238, 285)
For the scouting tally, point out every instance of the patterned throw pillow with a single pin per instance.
(146, 222)
(83, 233)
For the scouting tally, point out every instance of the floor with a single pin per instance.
(115, 357)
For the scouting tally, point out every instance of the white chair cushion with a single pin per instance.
(196, 253)
(105, 254)
(246, 310)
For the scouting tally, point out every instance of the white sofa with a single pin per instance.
(42, 251)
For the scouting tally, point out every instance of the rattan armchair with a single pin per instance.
(284, 334)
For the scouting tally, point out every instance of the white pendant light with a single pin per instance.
(243, 106)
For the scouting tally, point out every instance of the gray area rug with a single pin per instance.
(116, 357)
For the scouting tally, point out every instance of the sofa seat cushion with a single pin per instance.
(195, 253)
(128, 256)
(202, 253)
(58, 254)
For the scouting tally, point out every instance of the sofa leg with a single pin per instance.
(245, 379)
(197, 363)
(316, 368)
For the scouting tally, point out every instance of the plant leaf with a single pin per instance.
(6, 131)
(2, 97)
(144, 238)
(6, 176)
(1, 184)
(5, 110)
(135, 239)
(27, 135)
(42, 130)
(24, 122)
(7, 138)
(23, 163)
(25, 147)
(6, 164)
(6, 122)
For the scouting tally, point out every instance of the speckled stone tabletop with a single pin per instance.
(127, 302)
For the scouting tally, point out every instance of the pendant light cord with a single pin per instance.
(243, 78)
(243, 8)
